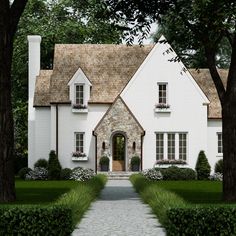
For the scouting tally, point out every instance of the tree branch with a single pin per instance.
(16, 11)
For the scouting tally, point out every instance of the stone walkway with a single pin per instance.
(119, 212)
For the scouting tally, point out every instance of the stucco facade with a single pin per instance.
(124, 104)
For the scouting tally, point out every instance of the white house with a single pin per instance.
(120, 101)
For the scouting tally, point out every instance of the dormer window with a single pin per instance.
(79, 94)
(79, 89)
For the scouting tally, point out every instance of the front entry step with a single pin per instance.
(118, 174)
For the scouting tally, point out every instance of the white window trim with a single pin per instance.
(167, 91)
(217, 134)
(79, 84)
(85, 158)
(176, 144)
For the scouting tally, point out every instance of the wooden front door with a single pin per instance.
(118, 152)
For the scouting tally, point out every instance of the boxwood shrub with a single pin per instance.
(202, 221)
(176, 173)
(53, 220)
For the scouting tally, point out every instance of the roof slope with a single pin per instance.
(204, 80)
(109, 67)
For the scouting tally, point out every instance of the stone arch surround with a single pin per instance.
(119, 118)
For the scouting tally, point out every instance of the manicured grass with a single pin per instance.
(41, 192)
(195, 192)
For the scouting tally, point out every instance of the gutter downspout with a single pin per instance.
(96, 158)
(57, 129)
(142, 135)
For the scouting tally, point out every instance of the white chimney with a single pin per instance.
(34, 68)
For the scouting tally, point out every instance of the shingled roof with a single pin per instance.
(205, 82)
(109, 68)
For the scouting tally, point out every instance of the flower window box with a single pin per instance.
(167, 163)
(162, 108)
(79, 156)
(79, 108)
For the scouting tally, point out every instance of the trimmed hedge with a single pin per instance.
(176, 173)
(53, 220)
(202, 221)
(203, 167)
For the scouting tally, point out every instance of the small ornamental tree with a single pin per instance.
(219, 166)
(202, 168)
(54, 166)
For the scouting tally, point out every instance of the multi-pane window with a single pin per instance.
(220, 143)
(79, 94)
(159, 146)
(79, 142)
(162, 93)
(171, 146)
(182, 146)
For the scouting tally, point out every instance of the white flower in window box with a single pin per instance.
(171, 162)
(79, 156)
(162, 107)
(79, 106)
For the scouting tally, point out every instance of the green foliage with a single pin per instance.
(41, 163)
(135, 160)
(202, 168)
(158, 198)
(176, 173)
(20, 162)
(202, 221)
(54, 166)
(104, 160)
(23, 172)
(53, 220)
(79, 198)
(65, 173)
(219, 166)
(57, 22)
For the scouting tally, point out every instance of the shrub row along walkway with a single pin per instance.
(119, 211)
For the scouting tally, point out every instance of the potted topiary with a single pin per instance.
(135, 163)
(104, 163)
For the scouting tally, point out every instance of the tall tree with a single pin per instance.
(209, 22)
(61, 21)
(10, 14)
(186, 47)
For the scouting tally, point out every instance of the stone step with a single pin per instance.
(118, 174)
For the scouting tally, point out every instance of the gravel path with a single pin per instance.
(119, 212)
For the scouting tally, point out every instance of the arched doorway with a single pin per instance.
(118, 152)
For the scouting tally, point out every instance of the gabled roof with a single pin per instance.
(109, 68)
(205, 82)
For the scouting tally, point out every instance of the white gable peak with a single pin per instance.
(79, 77)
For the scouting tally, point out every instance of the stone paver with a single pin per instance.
(119, 212)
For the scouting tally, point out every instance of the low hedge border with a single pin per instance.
(59, 218)
(35, 220)
(202, 221)
(180, 218)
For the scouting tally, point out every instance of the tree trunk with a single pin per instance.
(229, 148)
(7, 183)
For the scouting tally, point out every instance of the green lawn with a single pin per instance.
(195, 192)
(41, 192)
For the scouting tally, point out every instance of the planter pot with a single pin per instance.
(104, 167)
(135, 167)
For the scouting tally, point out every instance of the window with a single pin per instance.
(162, 93)
(159, 146)
(220, 143)
(171, 146)
(79, 94)
(79, 142)
(182, 146)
